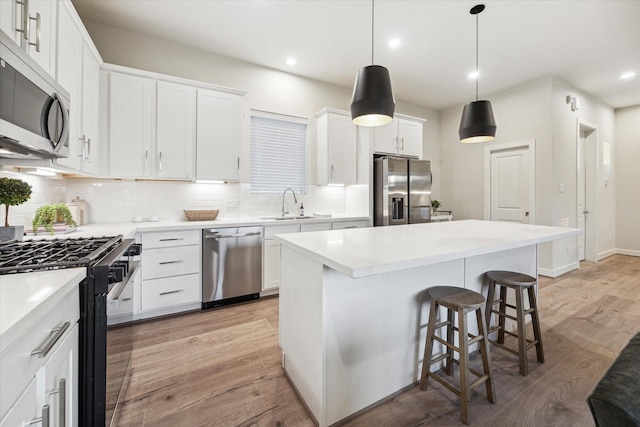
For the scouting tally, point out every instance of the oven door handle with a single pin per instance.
(54, 336)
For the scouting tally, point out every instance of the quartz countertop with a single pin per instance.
(25, 297)
(368, 251)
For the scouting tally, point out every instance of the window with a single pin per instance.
(278, 153)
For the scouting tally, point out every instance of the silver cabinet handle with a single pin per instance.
(146, 159)
(172, 239)
(54, 336)
(226, 236)
(125, 299)
(397, 144)
(88, 151)
(331, 173)
(38, 32)
(178, 261)
(44, 419)
(171, 292)
(62, 390)
(402, 139)
(238, 171)
(351, 226)
(25, 19)
(84, 144)
(160, 160)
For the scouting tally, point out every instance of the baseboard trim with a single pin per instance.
(607, 254)
(630, 252)
(558, 271)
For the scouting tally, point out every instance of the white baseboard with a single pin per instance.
(628, 252)
(606, 254)
(558, 271)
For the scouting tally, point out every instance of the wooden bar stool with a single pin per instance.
(519, 283)
(462, 301)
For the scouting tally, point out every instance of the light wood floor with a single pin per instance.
(222, 367)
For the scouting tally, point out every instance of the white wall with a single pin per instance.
(627, 177)
(267, 89)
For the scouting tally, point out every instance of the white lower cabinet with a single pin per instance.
(271, 255)
(171, 278)
(342, 225)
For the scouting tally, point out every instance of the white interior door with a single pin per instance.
(510, 185)
(581, 193)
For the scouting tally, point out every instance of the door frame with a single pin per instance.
(591, 194)
(530, 145)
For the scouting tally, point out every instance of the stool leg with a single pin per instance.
(486, 355)
(535, 321)
(450, 340)
(428, 346)
(463, 350)
(490, 296)
(522, 335)
(502, 309)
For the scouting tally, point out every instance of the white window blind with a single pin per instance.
(278, 153)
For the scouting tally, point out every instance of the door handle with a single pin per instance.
(62, 401)
(55, 335)
(526, 213)
(226, 236)
(38, 32)
(25, 19)
(43, 419)
(585, 211)
(171, 292)
(178, 261)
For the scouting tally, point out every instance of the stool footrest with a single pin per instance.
(444, 383)
(503, 346)
(441, 324)
(439, 358)
(508, 316)
(444, 342)
(511, 306)
(480, 380)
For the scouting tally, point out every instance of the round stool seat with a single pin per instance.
(454, 297)
(511, 278)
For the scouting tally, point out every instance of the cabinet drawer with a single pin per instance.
(170, 291)
(167, 262)
(18, 366)
(350, 224)
(272, 230)
(164, 239)
(322, 226)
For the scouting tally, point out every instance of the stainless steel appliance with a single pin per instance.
(401, 191)
(231, 265)
(34, 109)
(107, 260)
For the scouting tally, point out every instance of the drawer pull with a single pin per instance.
(44, 419)
(54, 336)
(171, 292)
(178, 261)
(125, 299)
(62, 403)
(351, 226)
(172, 239)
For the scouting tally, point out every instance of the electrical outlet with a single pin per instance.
(232, 203)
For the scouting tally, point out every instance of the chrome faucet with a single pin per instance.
(286, 212)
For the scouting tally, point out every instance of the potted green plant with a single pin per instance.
(13, 192)
(48, 215)
(435, 204)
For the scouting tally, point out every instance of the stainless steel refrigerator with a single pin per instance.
(401, 191)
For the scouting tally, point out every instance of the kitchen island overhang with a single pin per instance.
(353, 311)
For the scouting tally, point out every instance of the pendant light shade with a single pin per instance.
(477, 123)
(372, 103)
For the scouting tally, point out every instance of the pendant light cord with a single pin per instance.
(477, 70)
(373, 10)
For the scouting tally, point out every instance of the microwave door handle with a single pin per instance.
(65, 119)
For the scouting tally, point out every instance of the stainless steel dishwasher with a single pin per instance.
(231, 265)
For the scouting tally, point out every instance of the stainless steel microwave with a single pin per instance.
(34, 109)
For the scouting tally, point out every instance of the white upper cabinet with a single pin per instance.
(131, 125)
(32, 25)
(403, 136)
(92, 160)
(176, 118)
(218, 136)
(337, 148)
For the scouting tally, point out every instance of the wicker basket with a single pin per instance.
(201, 215)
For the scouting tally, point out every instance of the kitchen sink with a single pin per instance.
(283, 218)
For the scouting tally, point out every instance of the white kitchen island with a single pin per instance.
(353, 311)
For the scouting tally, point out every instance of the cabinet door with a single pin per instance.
(26, 407)
(176, 106)
(342, 150)
(131, 125)
(218, 136)
(91, 160)
(61, 373)
(42, 44)
(385, 138)
(270, 265)
(11, 19)
(70, 77)
(410, 138)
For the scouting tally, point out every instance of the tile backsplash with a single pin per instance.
(111, 200)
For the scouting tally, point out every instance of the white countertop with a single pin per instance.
(25, 297)
(367, 251)
(128, 229)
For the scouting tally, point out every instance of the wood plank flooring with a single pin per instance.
(222, 367)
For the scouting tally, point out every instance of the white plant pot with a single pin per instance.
(14, 232)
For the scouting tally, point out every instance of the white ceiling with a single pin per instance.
(587, 43)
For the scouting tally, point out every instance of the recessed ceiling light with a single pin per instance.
(474, 74)
(393, 43)
(291, 61)
(628, 75)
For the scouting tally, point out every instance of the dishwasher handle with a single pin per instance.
(227, 236)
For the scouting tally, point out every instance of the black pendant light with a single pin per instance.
(372, 103)
(477, 123)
